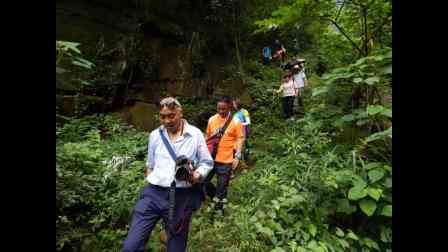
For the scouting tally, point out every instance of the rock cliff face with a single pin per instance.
(148, 50)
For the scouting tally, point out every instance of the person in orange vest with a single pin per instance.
(228, 152)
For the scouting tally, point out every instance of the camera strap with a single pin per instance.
(172, 194)
(172, 191)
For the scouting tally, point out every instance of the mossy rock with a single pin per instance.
(142, 116)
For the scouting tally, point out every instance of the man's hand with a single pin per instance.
(196, 177)
(147, 172)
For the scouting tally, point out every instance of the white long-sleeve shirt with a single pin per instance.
(191, 144)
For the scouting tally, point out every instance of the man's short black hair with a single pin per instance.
(225, 99)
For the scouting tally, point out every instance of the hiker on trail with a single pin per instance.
(224, 137)
(243, 116)
(289, 92)
(168, 195)
(266, 55)
(279, 51)
(300, 81)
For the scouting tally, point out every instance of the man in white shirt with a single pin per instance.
(156, 200)
(300, 82)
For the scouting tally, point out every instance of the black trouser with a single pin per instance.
(300, 97)
(288, 103)
(223, 171)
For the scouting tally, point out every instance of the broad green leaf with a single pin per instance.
(319, 90)
(315, 247)
(388, 183)
(386, 234)
(368, 206)
(387, 69)
(266, 231)
(362, 122)
(347, 118)
(312, 229)
(278, 249)
(357, 193)
(374, 109)
(378, 58)
(60, 70)
(360, 61)
(372, 165)
(343, 243)
(66, 45)
(389, 54)
(358, 181)
(376, 174)
(387, 112)
(387, 168)
(318, 249)
(345, 207)
(372, 80)
(339, 232)
(371, 243)
(77, 63)
(387, 211)
(379, 135)
(352, 235)
(374, 193)
(357, 80)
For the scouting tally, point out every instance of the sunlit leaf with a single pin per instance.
(368, 206)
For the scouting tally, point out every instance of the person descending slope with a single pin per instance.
(289, 92)
(300, 81)
(243, 116)
(266, 55)
(224, 137)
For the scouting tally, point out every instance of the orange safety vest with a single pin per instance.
(230, 141)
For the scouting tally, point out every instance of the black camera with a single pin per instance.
(184, 169)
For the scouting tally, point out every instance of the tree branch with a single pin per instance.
(343, 33)
(339, 11)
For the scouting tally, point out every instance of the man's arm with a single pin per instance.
(238, 144)
(150, 161)
(205, 161)
(208, 132)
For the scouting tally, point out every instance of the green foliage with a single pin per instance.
(99, 167)
(67, 56)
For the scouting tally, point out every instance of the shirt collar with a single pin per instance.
(188, 129)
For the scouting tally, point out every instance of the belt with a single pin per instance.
(162, 188)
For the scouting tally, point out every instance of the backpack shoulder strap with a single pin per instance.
(226, 124)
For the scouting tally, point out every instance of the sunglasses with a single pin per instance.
(170, 103)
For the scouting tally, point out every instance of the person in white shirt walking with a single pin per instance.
(169, 196)
(300, 82)
(289, 92)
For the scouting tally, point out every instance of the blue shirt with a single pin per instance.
(267, 52)
(243, 116)
(191, 144)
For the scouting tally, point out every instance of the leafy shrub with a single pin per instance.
(99, 167)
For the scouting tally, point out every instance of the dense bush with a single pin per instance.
(99, 167)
